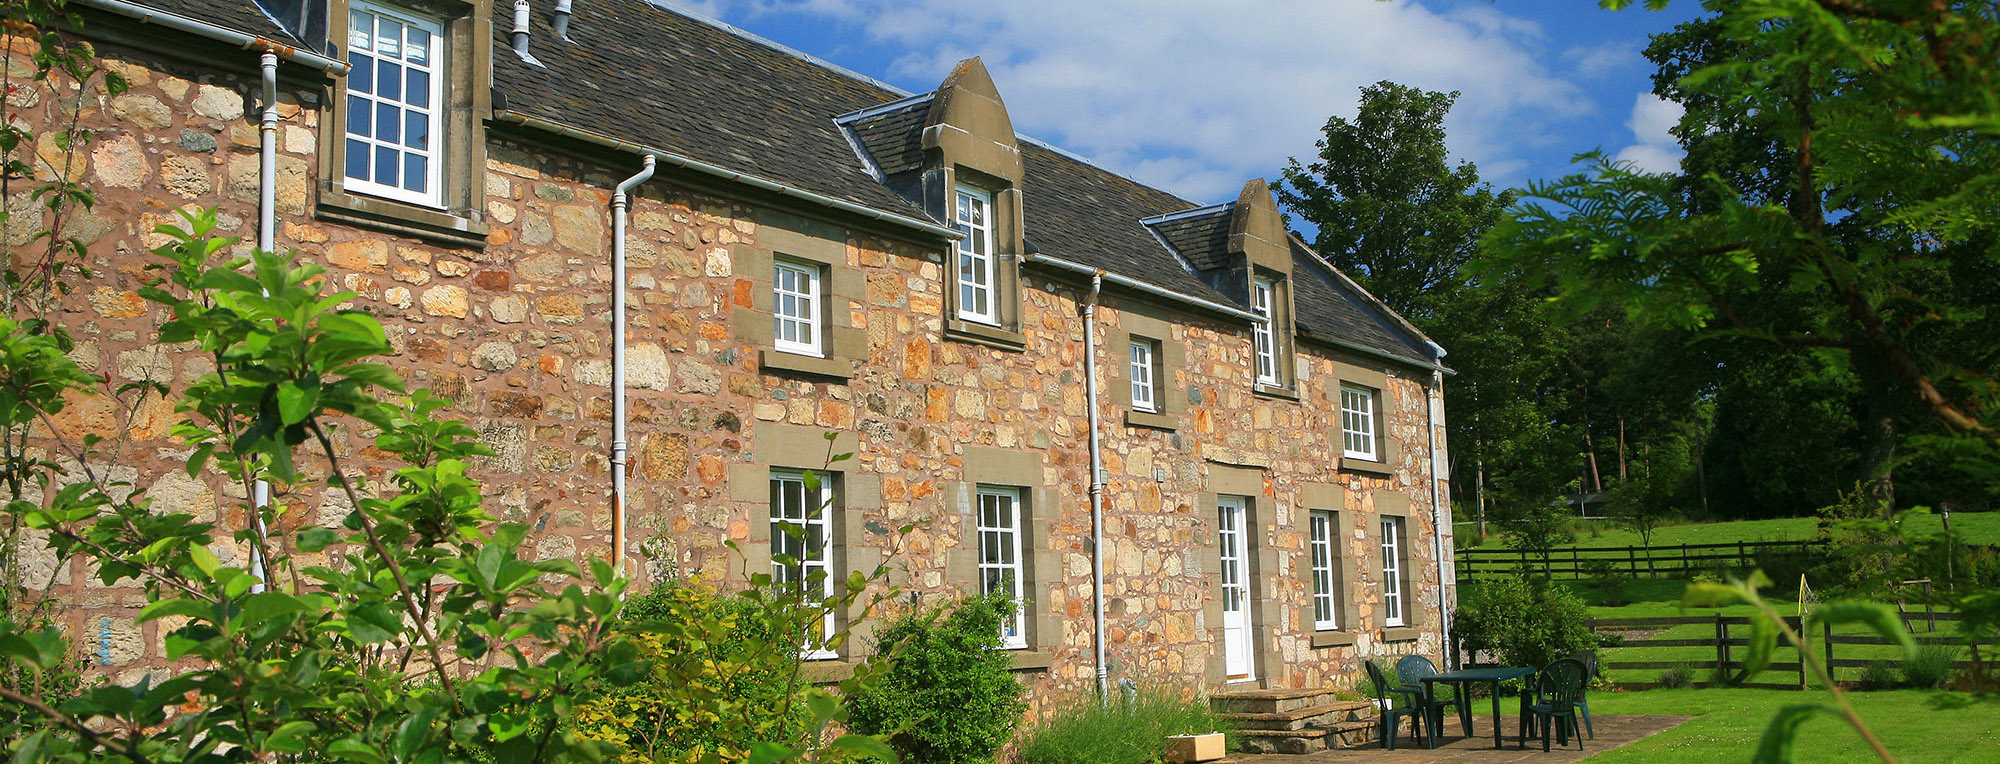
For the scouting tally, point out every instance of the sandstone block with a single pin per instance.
(445, 300)
(142, 110)
(495, 356)
(220, 104)
(364, 255)
(121, 163)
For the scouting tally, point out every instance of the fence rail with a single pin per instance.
(1675, 561)
(1727, 641)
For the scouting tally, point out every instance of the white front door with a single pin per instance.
(1235, 588)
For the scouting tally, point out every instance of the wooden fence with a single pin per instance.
(1677, 561)
(1730, 640)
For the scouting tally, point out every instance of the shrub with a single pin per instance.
(1127, 731)
(1879, 675)
(1681, 675)
(1931, 666)
(723, 677)
(948, 696)
(1528, 622)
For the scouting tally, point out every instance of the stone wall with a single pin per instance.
(515, 331)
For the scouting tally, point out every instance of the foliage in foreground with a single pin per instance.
(949, 696)
(1528, 621)
(414, 632)
(1130, 730)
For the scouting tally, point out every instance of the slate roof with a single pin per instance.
(1202, 239)
(894, 138)
(640, 72)
(1327, 307)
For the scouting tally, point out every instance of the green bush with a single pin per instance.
(1931, 666)
(1879, 675)
(948, 696)
(1528, 622)
(723, 677)
(1127, 731)
(1681, 675)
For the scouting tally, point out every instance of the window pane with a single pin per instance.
(357, 159)
(361, 78)
(358, 31)
(390, 76)
(416, 172)
(386, 166)
(419, 90)
(417, 48)
(359, 116)
(388, 123)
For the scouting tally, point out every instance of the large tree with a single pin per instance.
(1842, 196)
(1391, 209)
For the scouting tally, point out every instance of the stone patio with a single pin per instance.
(1612, 732)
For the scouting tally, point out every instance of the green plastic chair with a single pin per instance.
(1589, 660)
(1558, 690)
(1412, 669)
(1391, 714)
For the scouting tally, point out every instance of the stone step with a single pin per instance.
(1269, 701)
(1282, 741)
(1315, 716)
(1353, 734)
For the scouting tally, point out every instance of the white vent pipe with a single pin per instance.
(519, 36)
(619, 205)
(267, 237)
(561, 20)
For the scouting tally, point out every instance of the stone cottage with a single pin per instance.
(1194, 450)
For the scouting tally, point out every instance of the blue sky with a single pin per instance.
(1197, 96)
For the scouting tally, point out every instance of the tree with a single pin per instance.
(1391, 210)
(1849, 194)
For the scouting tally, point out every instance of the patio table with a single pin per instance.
(1492, 677)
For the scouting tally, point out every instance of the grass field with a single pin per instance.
(1916, 726)
(1973, 528)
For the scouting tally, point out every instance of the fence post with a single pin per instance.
(1575, 564)
(1827, 636)
(1742, 557)
(1633, 552)
(1801, 626)
(1687, 568)
(1721, 646)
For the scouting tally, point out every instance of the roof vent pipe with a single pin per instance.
(561, 20)
(519, 37)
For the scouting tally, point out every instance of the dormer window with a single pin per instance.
(1261, 300)
(393, 116)
(976, 299)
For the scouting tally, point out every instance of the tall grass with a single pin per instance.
(1080, 731)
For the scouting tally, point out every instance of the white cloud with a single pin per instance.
(1197, 96)
(1652, 119)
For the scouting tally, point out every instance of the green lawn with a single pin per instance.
(1729, 722)
(1973, 528)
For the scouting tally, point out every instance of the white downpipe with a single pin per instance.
(619, 205)
(1096, 484)
(267, 240)
(1433, 401)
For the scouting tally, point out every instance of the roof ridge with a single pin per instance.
(1186, 213)
(675, 6)
(884, 108)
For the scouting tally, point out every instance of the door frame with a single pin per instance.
(1236, 566)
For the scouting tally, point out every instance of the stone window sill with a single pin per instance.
(1032, 660)
(1372, 468)
(826, 671)
(780, 361)
(1332, 638)
(1275, 391)
(431, 225)
(1157, 421)
(982, 334)
(1401, 634)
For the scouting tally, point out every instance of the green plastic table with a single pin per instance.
(1492, 677)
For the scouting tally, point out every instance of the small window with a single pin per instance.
(1143, 396)
(1392, 571)
(802, 547)
(976, 301)
(795, 306)
(1357, 424)
(393, 114)
(1325, 604)
(1000, 558)
(1266, 340)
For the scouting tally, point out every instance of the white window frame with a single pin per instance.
(1392, 572)
(1358, 438)
(432, 194)
(974, 271)
(1326, 604)
(1145, 391)
(999, 529)
(1263, 335)
(796, 308)
(795, 502)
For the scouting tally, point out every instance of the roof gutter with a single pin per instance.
(243, 40)
(1141, 286)
(686, 163)
(1383, 354)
